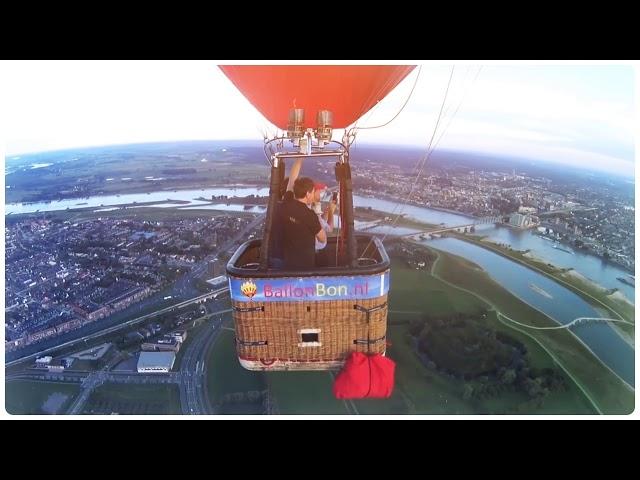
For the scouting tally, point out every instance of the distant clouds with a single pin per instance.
(578, 115)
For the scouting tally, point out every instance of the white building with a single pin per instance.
(43, 360)
(156, 362)
(180, 335)
(217, 281)
(526, 210)
(517, 220)
(523, 221)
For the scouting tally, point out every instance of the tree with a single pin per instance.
(467, 391)
(509, 376)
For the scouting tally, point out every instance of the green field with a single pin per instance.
(305, 393)
(90, 171)
(225, 376)
(429, 392)
(424, 391)
(294, 393)
(416, 291)
(134, 399)
(366, 215)
(25, 397)
(604, 389)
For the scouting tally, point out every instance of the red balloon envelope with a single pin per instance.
(348, 91)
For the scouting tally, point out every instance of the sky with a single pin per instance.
(575, 113)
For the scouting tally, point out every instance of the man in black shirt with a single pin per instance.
(301, 227)
(276, 253)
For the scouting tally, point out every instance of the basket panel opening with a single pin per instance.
(310, 337)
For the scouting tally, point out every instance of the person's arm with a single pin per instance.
(313, 222)
(322, 236)
(293, 174)
(328, 215)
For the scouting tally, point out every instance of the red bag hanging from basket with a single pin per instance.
(365, 376)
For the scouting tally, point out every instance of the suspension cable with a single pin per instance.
(401, 108)
(421, 163)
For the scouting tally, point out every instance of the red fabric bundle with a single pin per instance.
(365, 376)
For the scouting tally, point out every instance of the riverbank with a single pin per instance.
(151, 213)
(403, 201)
(248, 200)
(599, 298)
(372, 215)
(615, 298)
(596, 295)
(584, 251)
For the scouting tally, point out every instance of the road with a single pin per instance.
(113, 377)
(89, 381)
(190, 379)
(193, 395)
(115, 328)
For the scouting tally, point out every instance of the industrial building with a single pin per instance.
(156, 362)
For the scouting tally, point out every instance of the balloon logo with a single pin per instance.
(249, 289)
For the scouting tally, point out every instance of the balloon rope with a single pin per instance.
(422, 163)
(401, 108)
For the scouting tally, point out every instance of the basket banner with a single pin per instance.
(309, 288)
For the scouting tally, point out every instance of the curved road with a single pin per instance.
(193, 394)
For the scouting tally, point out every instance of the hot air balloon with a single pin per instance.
(311, 319)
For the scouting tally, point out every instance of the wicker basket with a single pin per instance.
(300, 329)
(308, 335)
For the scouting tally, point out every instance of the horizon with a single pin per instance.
(564, 113)
(258, 143)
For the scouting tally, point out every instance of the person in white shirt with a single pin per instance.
(326, 219)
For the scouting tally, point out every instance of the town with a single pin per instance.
(62, 275)
(596, 217)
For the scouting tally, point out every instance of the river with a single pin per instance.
(551, 298)
(592, 267)
(129, 198)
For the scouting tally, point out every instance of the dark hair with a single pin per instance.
(302, 186)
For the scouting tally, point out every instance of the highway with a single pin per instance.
(193, 395)
(115, 328)
(190, 378)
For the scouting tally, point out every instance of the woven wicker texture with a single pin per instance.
(314, 331)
